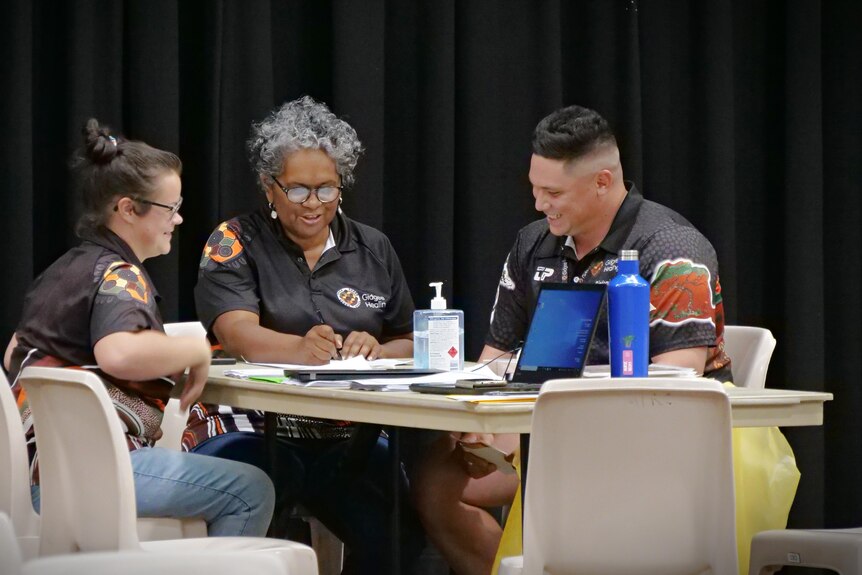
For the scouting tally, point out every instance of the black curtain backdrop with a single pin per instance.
(744, 116)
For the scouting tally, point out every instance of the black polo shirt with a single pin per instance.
(677, 260)
(249, 264)
(357, 285)
(94, 290)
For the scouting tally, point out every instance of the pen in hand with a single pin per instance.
(335, 341)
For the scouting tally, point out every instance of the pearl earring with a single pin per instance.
(273, 214)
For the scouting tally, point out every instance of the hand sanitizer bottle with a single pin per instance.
(628, 318)
(438, 335)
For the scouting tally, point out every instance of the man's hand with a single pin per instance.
(475, 467)
(319, 345)
(361, 343)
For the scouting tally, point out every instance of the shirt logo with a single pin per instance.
(542, 272)
(374, 301)
(505, 278)
(223, 246)
(348, 297)
(124, 281)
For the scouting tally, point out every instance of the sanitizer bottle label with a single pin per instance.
(443, 343)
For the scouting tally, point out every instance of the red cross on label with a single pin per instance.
(453, 352)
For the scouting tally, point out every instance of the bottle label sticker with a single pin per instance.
(628, 362)
(443, 343)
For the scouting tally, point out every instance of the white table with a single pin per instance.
(749, 408)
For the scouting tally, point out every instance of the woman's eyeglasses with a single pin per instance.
(300, 194)
(174, 208)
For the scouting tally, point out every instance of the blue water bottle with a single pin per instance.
(628, 318)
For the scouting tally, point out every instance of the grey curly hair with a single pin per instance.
(300, 125)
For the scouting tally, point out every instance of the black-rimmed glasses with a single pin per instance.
(300, 194)
(173, 208)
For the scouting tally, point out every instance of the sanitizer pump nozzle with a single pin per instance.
(438, 302)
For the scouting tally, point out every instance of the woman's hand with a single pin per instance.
(361, 343)
(197, 377)
(319, 345)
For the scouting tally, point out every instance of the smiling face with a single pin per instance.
(153, 230)
(567, 193)
(307, 224)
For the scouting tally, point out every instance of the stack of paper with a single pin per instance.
(274, 373)
(403, 383)
(277, 369)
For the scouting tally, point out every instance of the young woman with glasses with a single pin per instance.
(96, 308)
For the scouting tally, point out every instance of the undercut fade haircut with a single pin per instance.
(302, 124)
(571, 133)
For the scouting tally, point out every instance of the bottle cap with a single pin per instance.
(438, 302)
(629, 255)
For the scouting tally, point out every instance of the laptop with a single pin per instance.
(558, 338)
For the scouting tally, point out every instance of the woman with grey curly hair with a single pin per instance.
(299, 125)
(299, 282)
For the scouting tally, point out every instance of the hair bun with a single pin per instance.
(101, 147)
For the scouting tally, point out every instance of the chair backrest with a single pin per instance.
(750, 349)
(175, 420)
(185, 328)
(15, 498)
(630, 477)
(84, 465)
(10, 557)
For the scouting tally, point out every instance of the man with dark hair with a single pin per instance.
(591, 214)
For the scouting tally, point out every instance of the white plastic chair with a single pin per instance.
(629, 477)
(10, 556)
(839, 550)
(88, 496)
(750, 349)
(131, 562)
(186, 329)
(329, 549)
(15, 498)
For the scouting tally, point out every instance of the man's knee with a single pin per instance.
(436, 485)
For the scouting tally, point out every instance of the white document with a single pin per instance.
(403, 383)
(358, 362)
(254, 372)
(277, 369)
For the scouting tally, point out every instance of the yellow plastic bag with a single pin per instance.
(510, 543)
(765, 479)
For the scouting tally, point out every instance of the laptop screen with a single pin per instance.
(560, 332)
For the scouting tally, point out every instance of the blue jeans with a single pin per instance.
(233, 498)
(354, 507)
